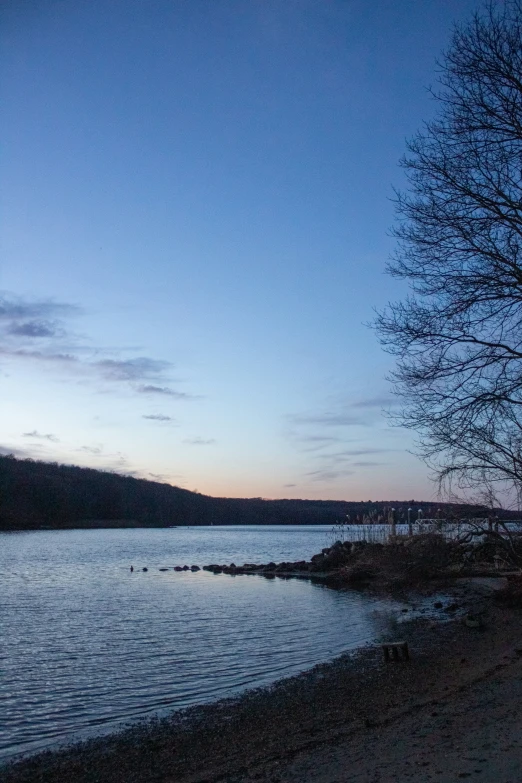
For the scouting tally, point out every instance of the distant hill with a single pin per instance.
(41, 494)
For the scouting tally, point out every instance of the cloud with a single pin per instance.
(368, 464)
(164, 390)
(35, 329)
(347, 453)
(289, 485)
(328, 475)
(137, 369)
(40, 356)
(199, 441)
(375, 402)
(14, 309)
(327, 419)
(310, 443)
(157, 417)
(40, 436)
(95, 451)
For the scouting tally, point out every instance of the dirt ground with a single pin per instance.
(454, 711)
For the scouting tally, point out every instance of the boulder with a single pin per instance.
(213, 568)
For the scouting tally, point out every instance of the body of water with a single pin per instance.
(87, 645)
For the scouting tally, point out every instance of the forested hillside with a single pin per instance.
(40, 494)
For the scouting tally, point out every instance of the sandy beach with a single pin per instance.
(453, 711)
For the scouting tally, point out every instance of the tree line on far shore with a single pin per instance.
(35, 495)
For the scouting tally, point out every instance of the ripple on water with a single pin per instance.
(88, 644)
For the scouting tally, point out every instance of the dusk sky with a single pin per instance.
(196, 204)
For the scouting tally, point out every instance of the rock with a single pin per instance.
(337, 557)
(178, 568)
(472, 621)
(270, 567)
(186, 568)
(164, 569)
(451, 607)
(195, 568)
(357, 574)
(232, 565)
(437, 605)
(215, 569)
(144, 569)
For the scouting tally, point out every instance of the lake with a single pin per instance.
(88, 646)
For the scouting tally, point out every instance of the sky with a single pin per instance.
(195, 220)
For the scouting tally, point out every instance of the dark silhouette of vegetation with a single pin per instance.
(41, 494)
(458, 337)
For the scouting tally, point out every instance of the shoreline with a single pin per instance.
(282, 732)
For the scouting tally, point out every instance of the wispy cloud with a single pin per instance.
(40, 356)
(199, 441)
(166, 391)
(289, 485)
(41, 436)
(157, 417)
(328, 419)
(368, 464)
(35, 329)
(17, 311)
(328, 475)
(349, 453)
(376, 402)
(94, 451)
(138, 369)
(38, 332)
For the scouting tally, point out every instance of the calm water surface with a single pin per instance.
(86, 644)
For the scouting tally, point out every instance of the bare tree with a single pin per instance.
(458, 335)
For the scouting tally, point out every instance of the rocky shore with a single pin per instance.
(403, 563)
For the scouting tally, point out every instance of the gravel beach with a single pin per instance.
(453, 711)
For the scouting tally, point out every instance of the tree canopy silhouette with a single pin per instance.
(458, 334)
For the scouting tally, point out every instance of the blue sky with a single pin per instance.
(194, 227)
